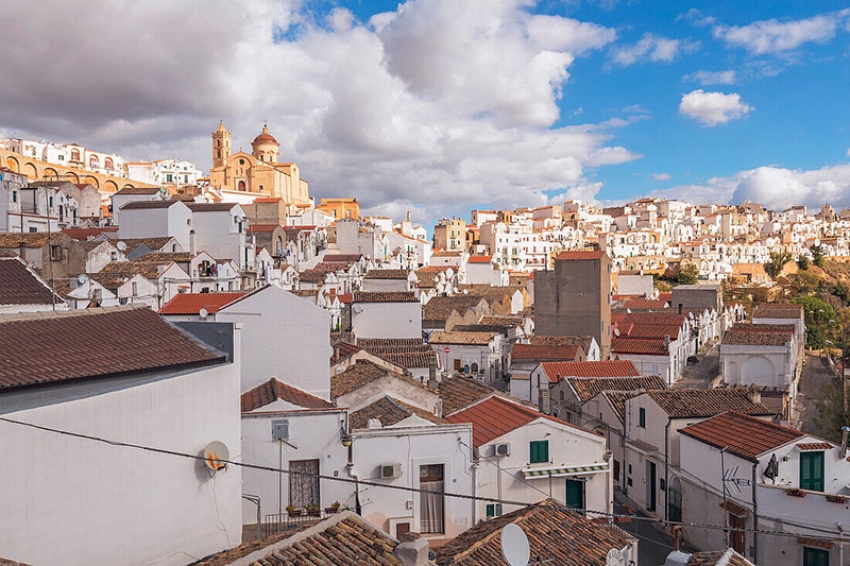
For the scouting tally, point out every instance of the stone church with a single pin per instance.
(242, 176)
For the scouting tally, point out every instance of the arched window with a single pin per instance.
(241, 185)
(94, 162)
(107, 163)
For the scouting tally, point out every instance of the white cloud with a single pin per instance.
(707, 78)
(651, 47)
(438, 102)
(772, 36)
(775, 188)
(712, 108)
(661, 176)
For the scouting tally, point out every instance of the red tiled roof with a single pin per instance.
(588, 387)
(192, 303)
(686, 403)
(210, 206)
(639, 346)
(644, 304)
(778, 311)
(19, 285)
(580, 255)
(656, 331)
(540, 352)
(385, 297)
(342, 257)
(262, 228)
(495, 417)
(480, 259)
(814, 446)
(267, 199)
(84, 234)
(93, 343)
(666, 318)
(742, 435)
(605, 368)
(272, 390)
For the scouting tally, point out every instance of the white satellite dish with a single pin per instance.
(216, 455)
(81, 278)
(615, 558)
(121, 246)
(515, 549)
(204, 313)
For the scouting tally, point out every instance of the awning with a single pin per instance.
(565, 471)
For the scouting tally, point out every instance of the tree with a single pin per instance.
(819, 317)
(830, 416)
(773, 267)
(817, 255)
(687, 274)
(803, 262)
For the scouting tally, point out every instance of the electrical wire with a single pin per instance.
(407, 488)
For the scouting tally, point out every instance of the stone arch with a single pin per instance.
(92, 180)
(49, 173)
(12, 164)
(128, 186)
(241, 186)
(30, 171)
(73, 177)
(110, 186)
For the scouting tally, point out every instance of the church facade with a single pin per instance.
(242, 177)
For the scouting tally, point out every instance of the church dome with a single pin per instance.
(265, 137)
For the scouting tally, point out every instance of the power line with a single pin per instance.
(400, 487)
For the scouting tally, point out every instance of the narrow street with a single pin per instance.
(816, 373)
(700, 375)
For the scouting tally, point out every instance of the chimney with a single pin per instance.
(543, 401)
(666, 342)
(412, 550)
(753, 394)
(432, 375)
(21, 250)
(192, 242)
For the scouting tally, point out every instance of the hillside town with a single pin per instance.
(221, 368)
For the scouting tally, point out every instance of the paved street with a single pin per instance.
(654, 543)
(699, 376)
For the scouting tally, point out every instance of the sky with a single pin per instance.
(442, 106)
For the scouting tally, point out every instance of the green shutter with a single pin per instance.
(539, 451)
(811, 471)
(575, 494)
(815, 557)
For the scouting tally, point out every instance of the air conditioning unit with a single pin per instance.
(502, 449)
(390, 471)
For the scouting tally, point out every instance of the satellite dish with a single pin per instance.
(81, 278)
(215, 455)
(121, 246)
(515, 549)
(204, 313)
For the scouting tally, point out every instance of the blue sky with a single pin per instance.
(440, 106)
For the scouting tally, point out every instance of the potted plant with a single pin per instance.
(333, 508)
(313, 509)
(795, 492)
(833, 498)
(293, 510)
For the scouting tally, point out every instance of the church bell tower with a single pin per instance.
(221, 146)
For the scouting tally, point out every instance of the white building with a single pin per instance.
(171, 171)
(102, 380)
(70, 155)
(389, 314)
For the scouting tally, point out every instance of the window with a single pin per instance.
(431, 498)
(815, 557)
(575, 494)
(494, 510)
(14, 196)
(539, 451)
(304, 483)
(811, 471)
(642, 418)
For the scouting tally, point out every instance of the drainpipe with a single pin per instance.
(255, 499)
(756, 518)
(666, 465)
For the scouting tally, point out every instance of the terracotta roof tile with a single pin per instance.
(584, 341)
(588, 387)
(344, 350)
(358, 375)
(757, 338)
(543, 352)
(83, 234)
(192, 303)
(396, 274)
(666, 318)
(13, 240)
(148, 204)
(480, 259)
(656, 331)
(138, 191)
(639, 346)
(604, 368)
(814, 446)
(93, 343)
(347, 258)
(262, 228)
(742, 435)
(459, 392)
(495, 417)
(210, 206)
(344, 538)
(778, 311)
(376, 343)
(272, 390)
(462, 338)
(566, 537)
(390, 411)
(385, 297)
(19, 285)
(685, 403)
(441, 308)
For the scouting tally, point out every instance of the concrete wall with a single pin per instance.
(413, 447)
(313, 435)
(103, 504)
(387, 320)
(283, 336)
